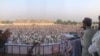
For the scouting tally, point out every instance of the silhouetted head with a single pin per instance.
(87, 22)
(0, 31)
(99, 23)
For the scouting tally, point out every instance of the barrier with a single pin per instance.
(22, 49)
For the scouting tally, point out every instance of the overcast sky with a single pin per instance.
(49, 9)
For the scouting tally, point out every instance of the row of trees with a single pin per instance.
(59, 21)
(6, 22)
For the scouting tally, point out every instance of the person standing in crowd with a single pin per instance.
(65, 45)
(98, 41)
(94, 48)
(87, 36)
(3, 38)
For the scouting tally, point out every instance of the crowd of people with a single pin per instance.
(45, 34)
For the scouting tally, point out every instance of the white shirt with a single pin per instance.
(94, 46)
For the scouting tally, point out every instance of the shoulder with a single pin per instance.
(96, 36)
(97, 33)
(89, 31)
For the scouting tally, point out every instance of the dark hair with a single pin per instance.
(0, 31)
(99, 23)
(87, 21)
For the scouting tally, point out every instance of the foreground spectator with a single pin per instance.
(87, 36)
(3, 38)
(94, 48)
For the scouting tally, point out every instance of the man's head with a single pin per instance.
(0, 31)
(6, 34)
(99, 23)
(87, 22)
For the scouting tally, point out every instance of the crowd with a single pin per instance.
(45, 34)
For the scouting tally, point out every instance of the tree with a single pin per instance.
(95, 22)
(74, 22)
(65, 22)
(7, 22)
(69, 22)
(59, 21)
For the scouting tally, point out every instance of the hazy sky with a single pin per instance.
(49, 9)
